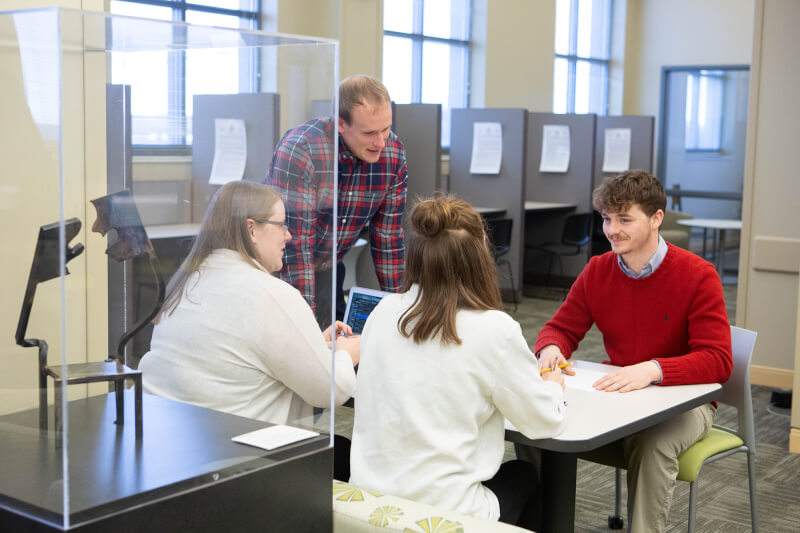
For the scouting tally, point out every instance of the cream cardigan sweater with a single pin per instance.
(244, 342)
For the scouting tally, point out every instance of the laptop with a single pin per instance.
(360, 304)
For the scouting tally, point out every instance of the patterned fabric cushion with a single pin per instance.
(357, 510)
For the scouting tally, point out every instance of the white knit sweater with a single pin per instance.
(429, 420)
(244, 342)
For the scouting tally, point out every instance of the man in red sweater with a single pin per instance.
(662, 315)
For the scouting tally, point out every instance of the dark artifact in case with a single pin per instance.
(116, 211)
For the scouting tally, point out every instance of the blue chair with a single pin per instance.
(575, 234)
(499, 232)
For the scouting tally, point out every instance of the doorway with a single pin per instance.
(703, 124)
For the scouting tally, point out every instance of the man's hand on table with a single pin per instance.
(630, 378)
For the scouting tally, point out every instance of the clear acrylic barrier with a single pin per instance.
(91, 225)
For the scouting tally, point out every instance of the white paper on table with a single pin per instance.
(274, 437)
(487, 148)
(617, 152)
(555, 148)
(230, 150)
(583, 379)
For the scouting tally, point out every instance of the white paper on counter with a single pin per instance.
(274, 437)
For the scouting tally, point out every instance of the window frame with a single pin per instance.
(418, 39)
(572, 58)
(698, 77)
(176, 104)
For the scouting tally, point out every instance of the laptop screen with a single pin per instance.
(360, 304)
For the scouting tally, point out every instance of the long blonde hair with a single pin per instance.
(447, 255)
(224, 226)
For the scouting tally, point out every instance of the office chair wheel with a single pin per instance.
(615, 522)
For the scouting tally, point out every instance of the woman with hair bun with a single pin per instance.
(442, 367)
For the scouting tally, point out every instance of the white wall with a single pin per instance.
(680, 32)
(770, 253)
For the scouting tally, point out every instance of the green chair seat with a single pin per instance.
(715, 442)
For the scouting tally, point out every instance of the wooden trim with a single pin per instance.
(794, 440)
(778, 378)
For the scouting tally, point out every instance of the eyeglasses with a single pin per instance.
(281, 224)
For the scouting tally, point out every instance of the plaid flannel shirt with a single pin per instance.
(370, 194)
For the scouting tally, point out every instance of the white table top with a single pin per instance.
(168, 231)
(543, 206)
(711, 223)
(595, 418)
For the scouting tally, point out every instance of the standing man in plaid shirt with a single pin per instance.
(372, 193)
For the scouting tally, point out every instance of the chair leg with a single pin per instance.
(561, 276)
(511, 279)
(692, 506)
(615, 521)
(751, 474)
(549, 270)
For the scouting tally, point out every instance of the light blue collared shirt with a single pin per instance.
(652, 264)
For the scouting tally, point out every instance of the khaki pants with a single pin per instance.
(652, 459)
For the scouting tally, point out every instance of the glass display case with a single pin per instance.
(117, 135)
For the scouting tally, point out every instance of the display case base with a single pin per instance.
(185, 474)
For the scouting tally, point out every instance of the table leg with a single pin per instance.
(720, 253)
(705, 237)
(558, 491)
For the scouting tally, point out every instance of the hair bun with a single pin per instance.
(431, 217)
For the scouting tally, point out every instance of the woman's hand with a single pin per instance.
(341, 329)
(556, 376)
(551, 357)
(352, 345)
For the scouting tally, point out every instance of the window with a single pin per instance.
(704, 101)
(583, 37)
(426, 54)
(163, 83)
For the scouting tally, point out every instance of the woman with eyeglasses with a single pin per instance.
(233, 337)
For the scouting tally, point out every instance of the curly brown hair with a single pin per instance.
(618, 193)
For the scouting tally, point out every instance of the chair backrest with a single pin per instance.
(499, 230)
(577, 228)
(671, 218)
(736, 391)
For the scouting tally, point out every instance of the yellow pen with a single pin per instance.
(550, 369)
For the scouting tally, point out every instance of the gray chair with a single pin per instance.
(720, 441)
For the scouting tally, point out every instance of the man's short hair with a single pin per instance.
(618, 193)
(361, 90)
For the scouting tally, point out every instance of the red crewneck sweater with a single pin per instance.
(676, 316)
